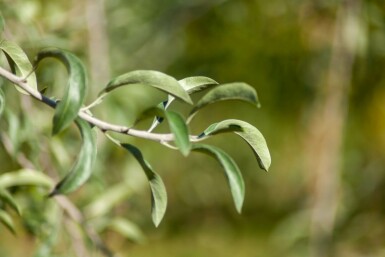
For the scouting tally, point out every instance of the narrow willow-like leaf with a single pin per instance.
(151, 78)
(69, 106)
(127, 229)
(6, 219)
(179, 128)
(19, 63)
(249, 133)
(6, 197)
(196, 84)
(103, 203)
(232, 91)
(82, 169)
(158, 190)
(25, 177)
(2, 102)
(232, 172)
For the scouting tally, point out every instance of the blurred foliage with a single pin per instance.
(283, 49)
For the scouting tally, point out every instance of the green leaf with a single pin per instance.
(196, 84)
(155, 79)
(158, 190)
(2, 102)
(19, 63)
(103, 203)
(232, 91)
(179, 128)
(67, 109)
(127, 229)
(8, 198)
(82, 169)
(232, 172)
(190, 85)
(249, 133)
(25, 177)
(7, 221)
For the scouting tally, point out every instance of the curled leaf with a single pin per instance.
(249, 133)
(19, 63)
(82, 169)
(232, 172)
(196, 84)
(67, 109)
(6, 219)
(158, 190)
(232, 91)
(151, 78)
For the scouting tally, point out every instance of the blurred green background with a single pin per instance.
(318, 67)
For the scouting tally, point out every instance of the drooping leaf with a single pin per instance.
(2, 102)
(67, 109)
(232, 91)
(6, 219)
(179, 128)
(82, 169)
(9, 199)
(151, 78)
(158, 190)
(190, 85)
(232, 172)
(196, 84)
(103, 203)
(249, 133)
(25, 177)
(127, 229)
(19, 63)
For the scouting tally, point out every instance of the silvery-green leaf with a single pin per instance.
(25, 177)
(6, 219)
(6, 197)
(83, 167)
(19, 63)
(232, 172)
(104, 202)
(151, 78)
(196, 84)
(232, 91)
(67, 109)
(249, 133)
(158, 190)
(127, 229)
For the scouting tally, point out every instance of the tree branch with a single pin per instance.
(102, 125)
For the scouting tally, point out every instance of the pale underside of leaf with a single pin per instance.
(249, 133)
(2, 102)
(68, 108)
(151, 78)
(158, 190)
(231, 170)
(19, 63)
(83, 166)
(128, 229)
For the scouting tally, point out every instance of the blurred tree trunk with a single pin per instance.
(326, 129)
(98, 43)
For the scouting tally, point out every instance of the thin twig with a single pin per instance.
(102, 125)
